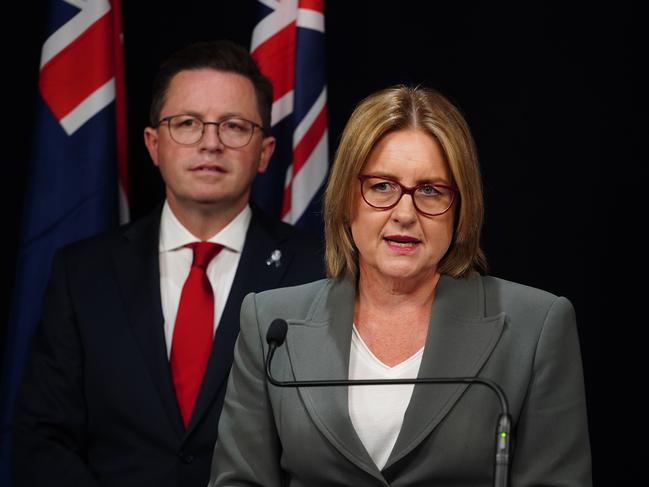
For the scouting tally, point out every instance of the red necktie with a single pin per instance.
(194, 329)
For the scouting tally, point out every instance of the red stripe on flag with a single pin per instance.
(120, 96)
(311, 138)
(286, 200)
(276, 59)
(302, 152)
(312, 5)
(78, 70)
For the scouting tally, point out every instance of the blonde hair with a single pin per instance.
(389, 110)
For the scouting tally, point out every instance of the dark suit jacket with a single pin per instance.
(522, 338)
(97, 406)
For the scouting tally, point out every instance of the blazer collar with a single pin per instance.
(318, 349)
(460, 340)
(255, 273)
(136, 263)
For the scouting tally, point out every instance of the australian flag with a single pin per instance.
(77, 172)
(288, 44)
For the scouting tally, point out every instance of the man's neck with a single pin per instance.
(205, 221)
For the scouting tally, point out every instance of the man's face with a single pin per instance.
(208, 174)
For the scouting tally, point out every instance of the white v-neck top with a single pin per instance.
(377, 411)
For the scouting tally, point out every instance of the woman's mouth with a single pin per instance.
(402, 241)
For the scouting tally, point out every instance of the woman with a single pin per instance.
(403, 212)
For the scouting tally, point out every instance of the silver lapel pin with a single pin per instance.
(275, 258)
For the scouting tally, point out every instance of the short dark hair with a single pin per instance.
(218, 55)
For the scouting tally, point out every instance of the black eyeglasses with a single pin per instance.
(428, 198)
(233, 132)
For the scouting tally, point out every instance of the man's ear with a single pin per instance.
(151, 143)
(267, 149)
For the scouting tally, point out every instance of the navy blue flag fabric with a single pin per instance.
(77, 173)
(288, 44)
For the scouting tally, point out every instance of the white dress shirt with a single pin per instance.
(377, 411)
(176, 261)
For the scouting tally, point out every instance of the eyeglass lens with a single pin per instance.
(428, 198)
(233, 132)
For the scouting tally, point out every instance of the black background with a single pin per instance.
(551, 93)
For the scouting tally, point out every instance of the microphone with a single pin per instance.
(276, 336)
(276, 333)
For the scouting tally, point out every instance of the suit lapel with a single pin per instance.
(318, 348)
(253, 275)
(460, 340)
(137, 267)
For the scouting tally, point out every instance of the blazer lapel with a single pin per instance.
(318, 348)
(137, 267)
(460, 340)
(254, 274)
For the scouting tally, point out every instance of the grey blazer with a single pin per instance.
(522, 338)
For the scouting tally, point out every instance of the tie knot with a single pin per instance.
(204, 252)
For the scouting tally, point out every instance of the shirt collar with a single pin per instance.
(174, 235)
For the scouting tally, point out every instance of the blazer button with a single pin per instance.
(186, 457)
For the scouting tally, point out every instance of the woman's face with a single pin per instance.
(401, 244)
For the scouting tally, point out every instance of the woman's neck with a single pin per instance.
(388, 295)
(393, 318)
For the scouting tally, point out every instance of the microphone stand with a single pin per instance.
(503, 427)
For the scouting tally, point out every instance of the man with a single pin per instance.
(122, 389)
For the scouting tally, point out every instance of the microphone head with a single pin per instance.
(277, 332)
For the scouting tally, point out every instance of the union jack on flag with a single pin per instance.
(78, 169)
(288, 44)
